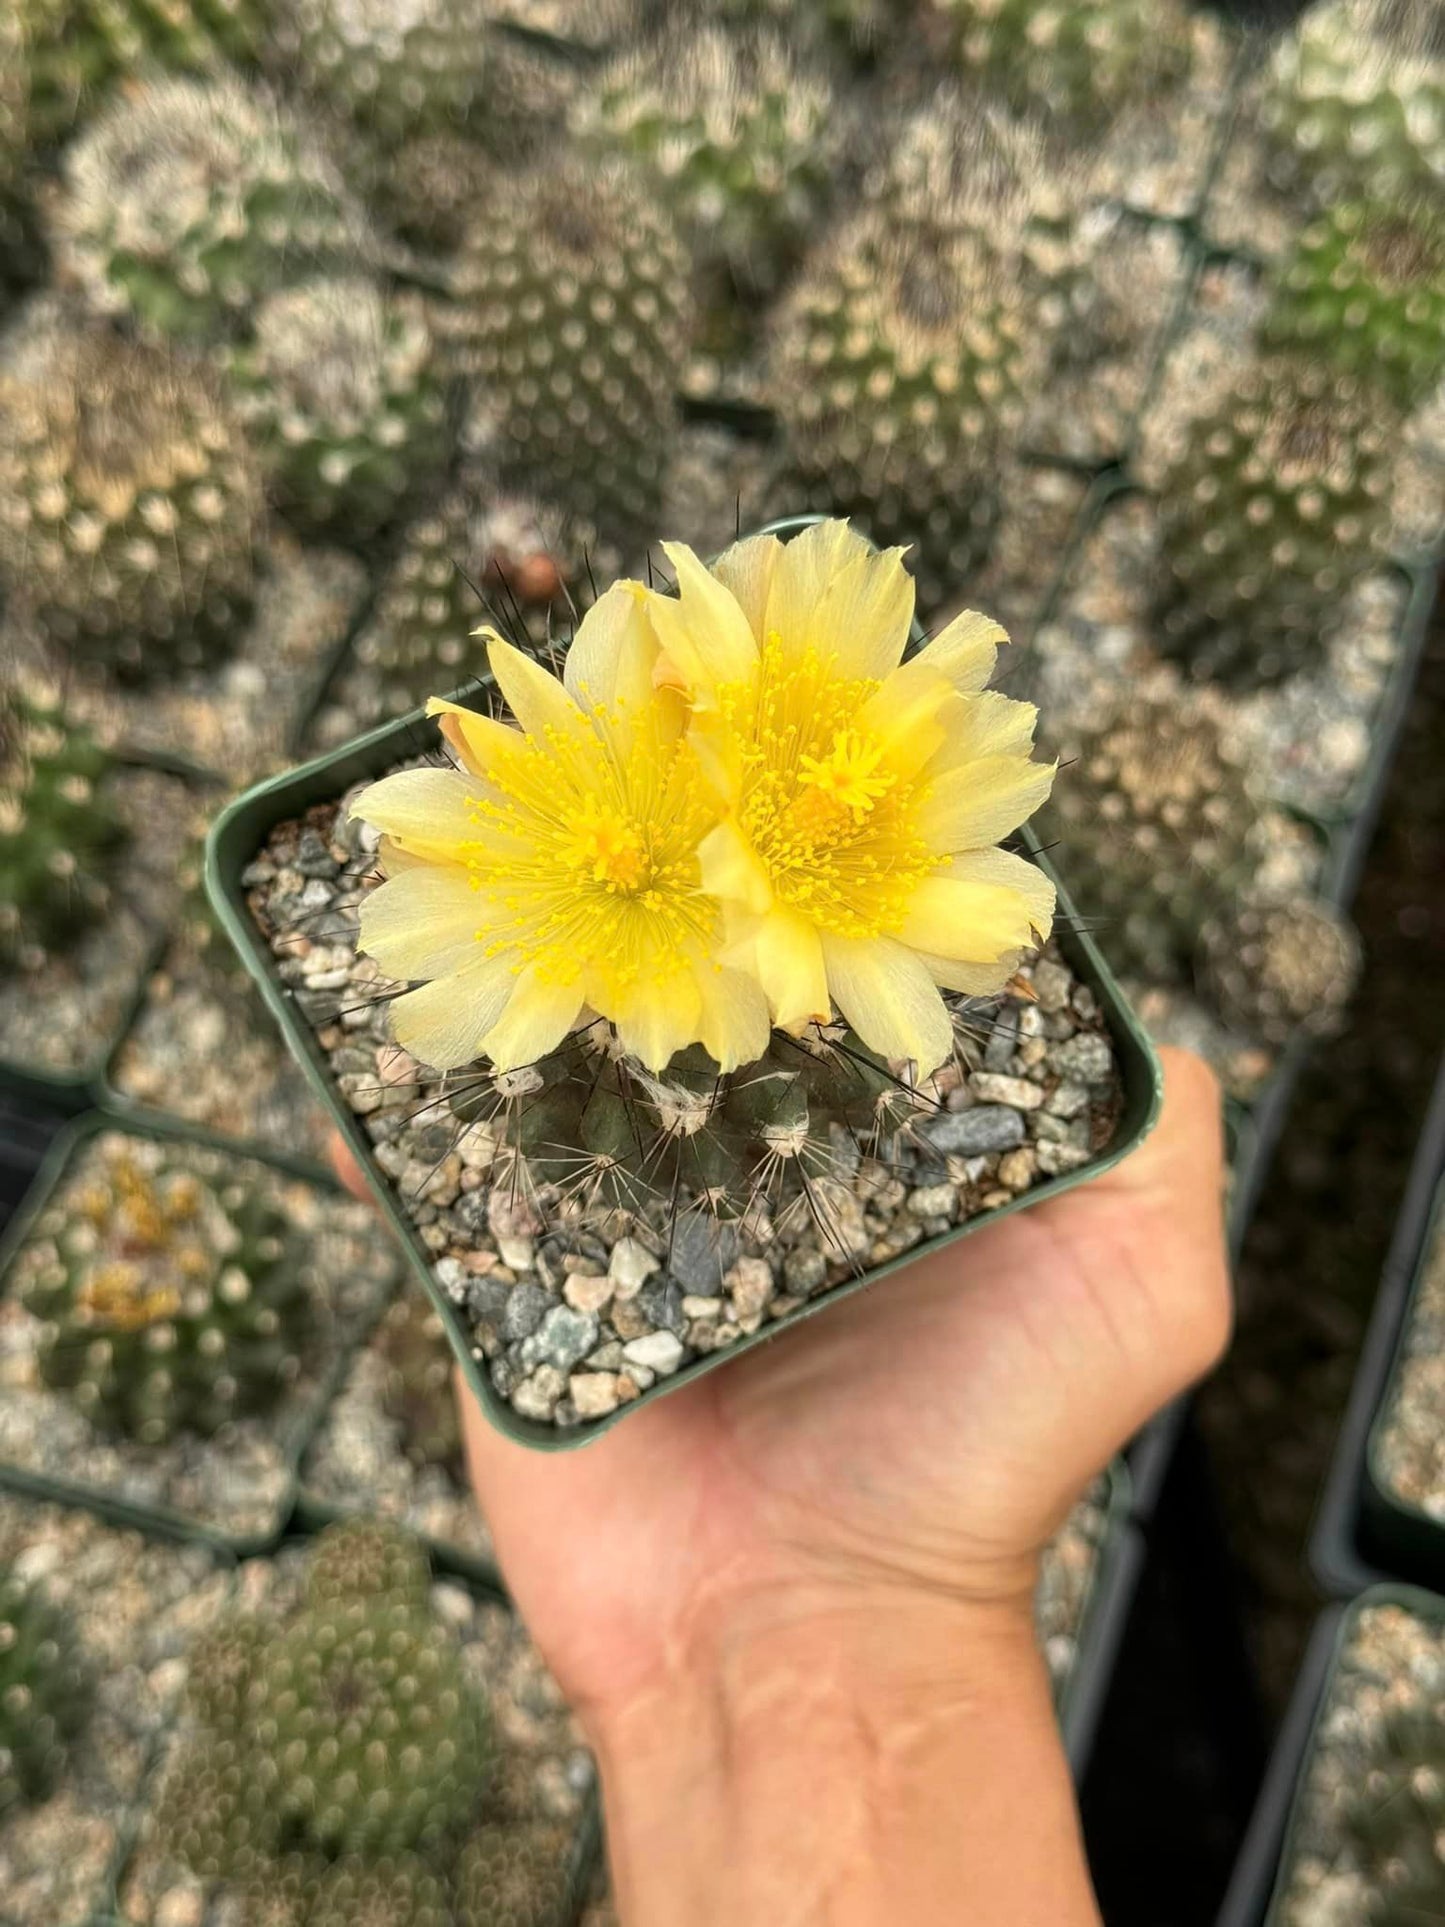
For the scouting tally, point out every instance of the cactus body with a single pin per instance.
(130, 501)
(1355, 100)
(185, 203)
(44, 1692)
(1274, 969)
(1396, 1817)
(512, 1877)
(1365, 291)
(1080, 62)
(1274, 509)
(166, 1304)
(58, 837)
(417, 1384)
(338, 385)
(396, 72)
(399, 1891)
(573, 314)
(899, 363)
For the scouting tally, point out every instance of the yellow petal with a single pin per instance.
(423, 922)
(966, 650)
(989, 724)
(974, 980)
(1016, 873)
(613, 652)
(732, 871)
(735, 1023)
(863, 616)
(911, 714)
(808, 563)
(425, 810)
(704, 636)
(538, 1015)
(747, 570)
(980, 802)
(445, 1023)
(535, 697)
(479, 742)
(786, 957)
(656, 1019)
(966, 917)
(889, 998)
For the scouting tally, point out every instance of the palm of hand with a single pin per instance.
(930, 1433)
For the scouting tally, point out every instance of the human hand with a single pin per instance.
(845, 1526)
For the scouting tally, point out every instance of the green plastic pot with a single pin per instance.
(1402, 1535)
(242, 829)
(294, 1434)
(1424, 1605)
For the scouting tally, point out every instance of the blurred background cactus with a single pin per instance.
(167, 1304)
(45, 1692)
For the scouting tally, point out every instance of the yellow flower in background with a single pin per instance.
(555, 874)
(863, 796)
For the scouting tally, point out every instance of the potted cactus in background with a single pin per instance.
(699, 985)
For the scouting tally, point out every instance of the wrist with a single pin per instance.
(821, 1764)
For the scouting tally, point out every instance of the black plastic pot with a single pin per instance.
(1362, 1533)
(242, 829)
(1101, 1630)
(295, 1431)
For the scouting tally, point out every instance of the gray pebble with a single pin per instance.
(805, 1270)
(987, 1127)
(488, 1298)
(313, 859)
(563, 1338)
(527, 1305)
(660, 1303)
(701, 1252)
(1088, 1058)
(1002, 1042)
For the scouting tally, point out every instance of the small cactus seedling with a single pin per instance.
(58, 835)
(1079, 62)
(899, 362)
(508, 1874)
(351, 1734)
(166, 1303)
(1273, 510)
(1273, 970)
(741, 137)
(398, 1890)
(186, 202)
(573, 313)
(395, 72)
(1395, 1819)
(1365, 292)
(44, 1693)
(1355, 101)
(339, 387)
(475, 552)
(416, 1387)
(130, 502)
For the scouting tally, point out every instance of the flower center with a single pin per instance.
(606, 846)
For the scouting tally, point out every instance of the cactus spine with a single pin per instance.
(167, 1302)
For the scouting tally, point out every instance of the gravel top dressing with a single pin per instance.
(237, 1482)
(133, 1608)
(577, 1311)
(1410, 1445)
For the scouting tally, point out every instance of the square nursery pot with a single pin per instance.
(1099, 1632)
(1260, 1883)
(126, 1489)
(1364, 1532)
(242, 830)
(140, 1887)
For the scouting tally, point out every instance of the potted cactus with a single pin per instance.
(659, 1086)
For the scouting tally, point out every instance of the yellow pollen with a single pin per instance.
(848, 775)
(606, 846)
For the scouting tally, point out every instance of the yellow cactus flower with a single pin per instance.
(554, 876)
(863, 796)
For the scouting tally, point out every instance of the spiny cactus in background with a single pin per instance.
(613, 1136)
(1156, 818)
(1395, 1819)
(416, 1386)
(1274, 508)
(512, 1877)
(1365, 292)
(1080, 62)
(395, 72)
(596, 24)
(169, 1301)
(477, 556)
(356, 1729)
(899, 362)
(186, 202)
(742, 138)
(432, 186)
(16, 213)
(573, 313)
(400, 1890)
(1354, 103)
(1274, 969)
(58, 835)
(130, 504)
(44, 1694)
(339, 387)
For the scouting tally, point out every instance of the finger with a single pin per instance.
(348, 1171)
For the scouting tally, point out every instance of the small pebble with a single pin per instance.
(987, 1127)
(594, 1394)
(631, 1265)
(990, 1088)
(657, 1352)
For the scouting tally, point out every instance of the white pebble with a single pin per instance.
(656, 1352)
(630, 1267)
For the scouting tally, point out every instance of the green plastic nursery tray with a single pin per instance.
(296, 1428)
(243, 828)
